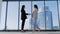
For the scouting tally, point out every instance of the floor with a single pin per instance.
(30, 32)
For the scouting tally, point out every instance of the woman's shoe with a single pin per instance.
(39, 30)
(22, 30)
(33, 31)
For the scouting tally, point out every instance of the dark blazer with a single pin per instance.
(23, 14)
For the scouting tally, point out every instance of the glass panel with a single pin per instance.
(12, 16)
(51, 15)
(27, 4)
(41, 15)
(3, 13)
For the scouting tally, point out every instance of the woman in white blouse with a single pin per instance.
(34, 18)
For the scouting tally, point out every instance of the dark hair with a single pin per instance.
(22, 7)
(36, 6)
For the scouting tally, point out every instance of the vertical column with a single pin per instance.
(6, 16)
(58, 13)
(45, 14)
(18, 14)
(0, 9)
(31, 13)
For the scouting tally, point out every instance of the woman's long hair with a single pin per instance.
(23, 6)
(36, 6)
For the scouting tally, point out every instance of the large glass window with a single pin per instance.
(3, 12)
(51, 15)
(48, 15)
(12, 16)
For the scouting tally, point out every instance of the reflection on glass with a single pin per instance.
(48, 18)
(27, 4)
(3, 12)
(12, 17)
(52, 9)
(41, 17)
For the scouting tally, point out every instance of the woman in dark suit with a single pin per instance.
(23, 17)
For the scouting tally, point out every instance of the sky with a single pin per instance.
(12, 17)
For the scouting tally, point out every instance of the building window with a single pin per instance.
(12, 16)
(52, 13)
(48, 15)
(3, 12)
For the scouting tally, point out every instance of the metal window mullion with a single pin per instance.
(6, 16)
(18, 14)
(51, 22)
(58, 13)
(45, 14)
(31, 13)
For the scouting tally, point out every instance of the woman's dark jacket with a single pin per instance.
(23, 14)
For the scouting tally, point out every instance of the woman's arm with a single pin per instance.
(27, 14)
